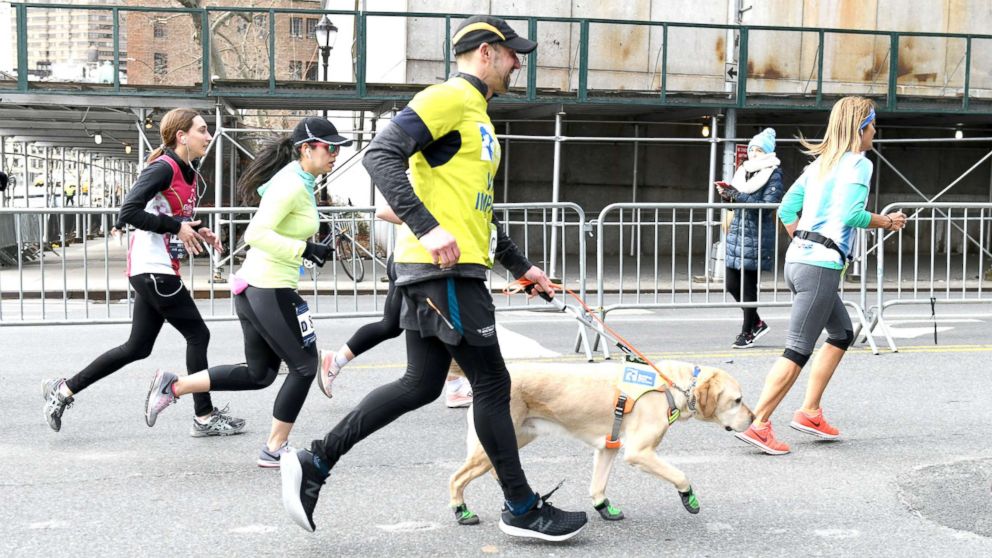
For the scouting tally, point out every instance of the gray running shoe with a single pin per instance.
(220, 424)
(55, 402)
(270, 459)
(159, 395)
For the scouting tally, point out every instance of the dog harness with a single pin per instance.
(632, 383)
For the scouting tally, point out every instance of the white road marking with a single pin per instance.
(514, 345)
(410, 526)
(253, 530)
(51, 524)
(837, 533)
(911, 332)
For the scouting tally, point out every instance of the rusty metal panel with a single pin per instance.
(425, 35)
(689, 11)
(554, 44)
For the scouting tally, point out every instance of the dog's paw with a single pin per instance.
(689, 501)
(465, 516)
(607, 511)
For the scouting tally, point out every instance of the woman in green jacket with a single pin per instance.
(274, 318)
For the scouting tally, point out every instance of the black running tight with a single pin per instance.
(157, 299)
(428, 360)
(276, 328)
(744, 282)
(370, 335)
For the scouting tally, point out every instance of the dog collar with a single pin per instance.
(690, 398)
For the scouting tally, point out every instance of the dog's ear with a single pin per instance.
(706, 396)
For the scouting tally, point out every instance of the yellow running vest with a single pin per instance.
(453, 176)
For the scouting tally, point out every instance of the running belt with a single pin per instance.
(820, 239)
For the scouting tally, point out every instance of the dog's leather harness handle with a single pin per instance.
(613, 440)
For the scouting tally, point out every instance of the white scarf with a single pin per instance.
(762, 167)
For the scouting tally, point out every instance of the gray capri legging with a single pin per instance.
(816, 305)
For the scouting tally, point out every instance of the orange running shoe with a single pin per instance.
(815, 425)
(764, 439)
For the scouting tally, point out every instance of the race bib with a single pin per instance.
(177, 250)
(492, 243)
(307, 332)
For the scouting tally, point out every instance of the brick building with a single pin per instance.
(164, 47)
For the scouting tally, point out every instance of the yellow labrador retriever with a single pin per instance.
(581, 398)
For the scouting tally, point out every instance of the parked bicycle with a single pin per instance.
(352, 247)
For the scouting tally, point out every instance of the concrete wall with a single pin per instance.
(595, 175)
(628, 57)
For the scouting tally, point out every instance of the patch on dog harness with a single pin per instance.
(633, 381)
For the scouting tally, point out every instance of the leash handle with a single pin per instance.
(529, 288)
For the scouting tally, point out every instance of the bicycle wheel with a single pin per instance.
(351, 264)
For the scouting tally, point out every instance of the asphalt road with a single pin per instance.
(911, 476)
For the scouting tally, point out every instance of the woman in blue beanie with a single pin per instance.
(751, 237)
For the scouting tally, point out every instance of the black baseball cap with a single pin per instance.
(318, 129)
(488, 29)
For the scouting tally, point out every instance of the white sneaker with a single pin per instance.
(328, 371)
(457, 393)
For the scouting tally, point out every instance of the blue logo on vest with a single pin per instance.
(488, 143)
(639, 377)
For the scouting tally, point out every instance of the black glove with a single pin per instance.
(317, 253)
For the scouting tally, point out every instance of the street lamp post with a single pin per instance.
(325, 33)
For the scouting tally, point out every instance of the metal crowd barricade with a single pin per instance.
(941, 257)
(662, 256)
(63, 265)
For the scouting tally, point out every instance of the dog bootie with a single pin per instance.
(465, 516)
(607, 511)
(689, 501)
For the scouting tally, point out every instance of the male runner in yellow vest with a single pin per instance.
(443, 254)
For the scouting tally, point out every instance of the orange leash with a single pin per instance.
(525, 285)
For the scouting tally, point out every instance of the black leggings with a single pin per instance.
(274, 333)
(157, 299)
(370, 335)
(749, 278)
(428, 360)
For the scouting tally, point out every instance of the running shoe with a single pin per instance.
(55, 402)
(744, 341)
(328, 372)
(764, 439)
(220, 424)
(160, 395)
(815, 425)
(268, 459)
(301, 483)
(458, 396)
(759, 329)
(543, 521)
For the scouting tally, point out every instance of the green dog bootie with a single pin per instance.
(464, 516)
(607, 511)
(689, 501)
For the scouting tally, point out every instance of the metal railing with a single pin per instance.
(956, 78)
(673, 251)
(941, 257)
(64, 265)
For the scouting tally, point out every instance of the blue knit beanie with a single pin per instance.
(765, 140)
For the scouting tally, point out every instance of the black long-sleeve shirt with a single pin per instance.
(157, 177)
